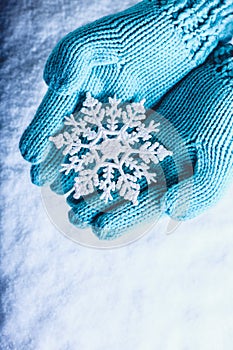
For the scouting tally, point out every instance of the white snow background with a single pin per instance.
(164, 292)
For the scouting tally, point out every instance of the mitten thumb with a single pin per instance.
(212, 172)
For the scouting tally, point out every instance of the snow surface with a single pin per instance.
(165, 292)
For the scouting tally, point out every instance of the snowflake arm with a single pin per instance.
(107, 185)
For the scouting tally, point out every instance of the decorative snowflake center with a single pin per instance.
(110, 148)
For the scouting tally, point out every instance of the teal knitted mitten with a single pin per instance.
(200, 108)
(139, 53)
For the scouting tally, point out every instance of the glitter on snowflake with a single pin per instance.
(115, 148)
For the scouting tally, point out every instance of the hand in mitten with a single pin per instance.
(139, 53)
(200, 110)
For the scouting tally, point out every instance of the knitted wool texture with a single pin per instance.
(139, 53)
(200, 108)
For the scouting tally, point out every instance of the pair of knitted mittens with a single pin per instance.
(168, 53)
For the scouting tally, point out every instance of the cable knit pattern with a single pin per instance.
(200, 108)
(139, 53)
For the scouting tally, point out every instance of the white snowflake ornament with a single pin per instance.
(109, 147)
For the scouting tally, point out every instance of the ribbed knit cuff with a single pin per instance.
(202, 24)
(223, 61)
